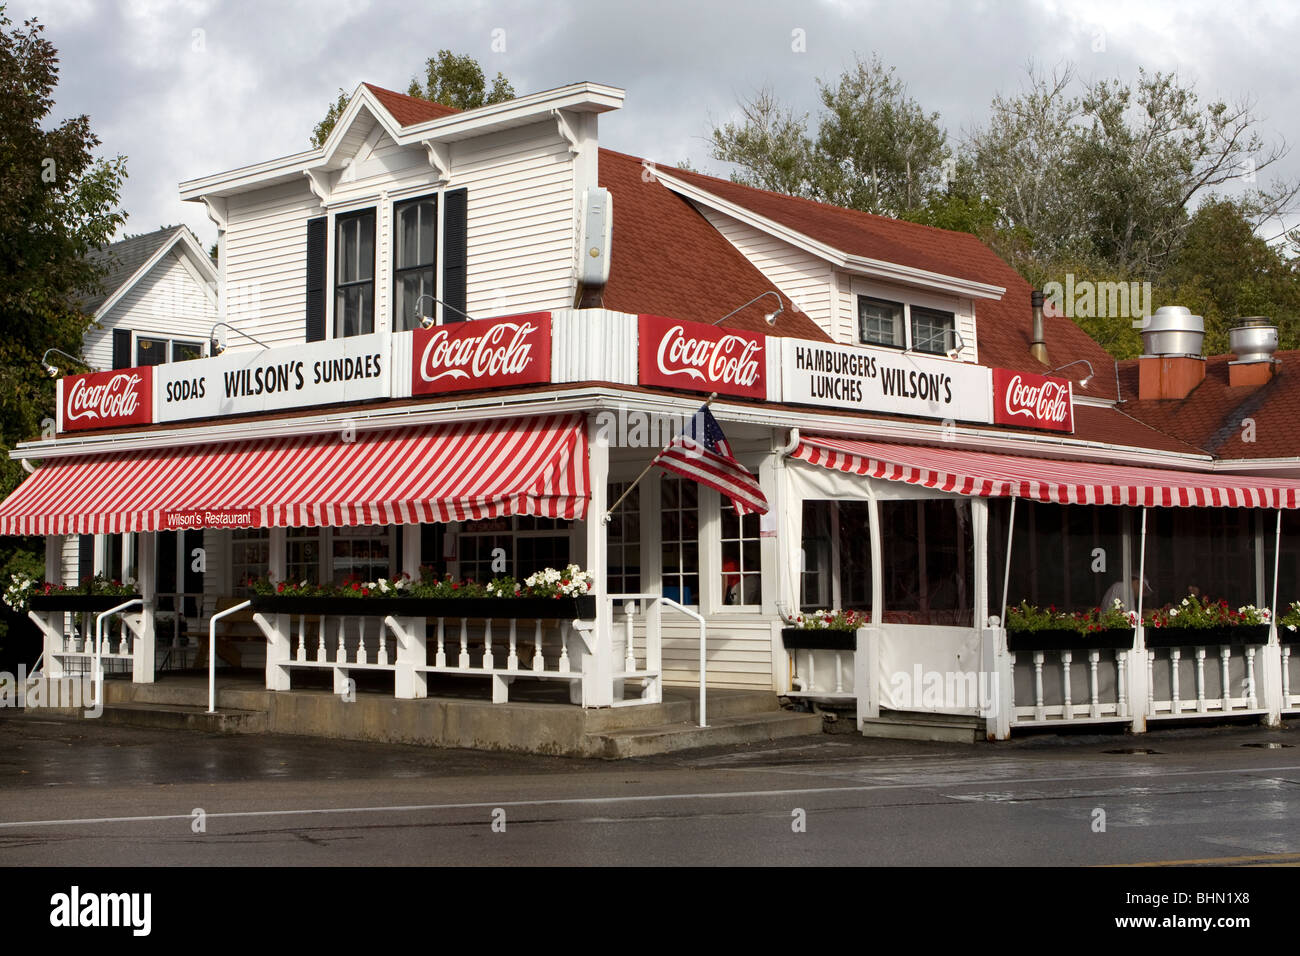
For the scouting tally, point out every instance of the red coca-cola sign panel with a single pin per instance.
(107, 399)
(702, 358)
(1033, 401)
(486, 353)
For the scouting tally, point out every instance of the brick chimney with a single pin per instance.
(1171, 365)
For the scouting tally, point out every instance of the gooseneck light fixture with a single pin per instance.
(219, 346)
(52, 370)
(1083, 382)
(770, 317)
(428, 321)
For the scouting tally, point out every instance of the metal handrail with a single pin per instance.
(689, 613)
(212, 652)
(99, 645)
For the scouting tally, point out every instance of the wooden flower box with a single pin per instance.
(1069, 639)
(818, 639)
(1206, 636)
(78, 603)
(574, 608)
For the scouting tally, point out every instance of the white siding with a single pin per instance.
(266, 263)
(169, 301)
(800, 276)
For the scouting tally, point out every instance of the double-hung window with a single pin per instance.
(932, 330)
(898, 325)
(415, 260)
(354, 274)
(880, 322)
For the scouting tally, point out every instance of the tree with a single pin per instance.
(449, 79)
(57, 203)
(875, 148)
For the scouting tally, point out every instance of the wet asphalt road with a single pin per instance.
(74, 794)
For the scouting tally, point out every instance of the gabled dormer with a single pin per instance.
(409, 209)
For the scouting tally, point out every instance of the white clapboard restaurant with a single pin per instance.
(457, 340)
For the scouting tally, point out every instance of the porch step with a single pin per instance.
(736, 729)
(183, 717)
(907, 725)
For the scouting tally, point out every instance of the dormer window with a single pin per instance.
(354, 272)
(932, 330)
(880, 322)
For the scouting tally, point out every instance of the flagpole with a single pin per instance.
(627, 491)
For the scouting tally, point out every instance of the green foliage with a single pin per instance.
(322, 130)
(1025, 618)
(57, 203)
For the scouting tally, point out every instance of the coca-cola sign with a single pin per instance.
(702, 358)
(107, 399)
(1033, 401)
(487, 353)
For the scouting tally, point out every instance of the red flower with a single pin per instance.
(356, 586)
(365, 592)
(279, 588)
(454, 586)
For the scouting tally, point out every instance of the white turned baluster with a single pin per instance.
(1175, 658)
(1094, 700)
(1067, 705)
(440, 656)
(1040, 713)
(1252, 701)
(121, 647)
(361, 640)
(839, 673)
(1200, 680)
(70, 641)
(463, 660)
(629, 661)
(487, 645)
(812, 671)
(564, 647)
(302, 639)
(382, 658)
(341, 655)
(539, 662)
(512, 659)
(321, 654)
(1286, 675)
(1151, 682)
(1121, 683)
(1225, 682)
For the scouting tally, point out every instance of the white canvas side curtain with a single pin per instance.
(527, 466)
(986, 475)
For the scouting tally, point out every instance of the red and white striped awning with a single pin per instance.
(1065, 482)
(485, 469)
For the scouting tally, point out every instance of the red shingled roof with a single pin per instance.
(668, 260)
(1213, 417)
(1005, 327)
(409, 110)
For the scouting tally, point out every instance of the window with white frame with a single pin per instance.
(933, 330)
(354, 274)
(302, 555)
(679, 533)
(836, 555)
(250, 555)
(415, 259)
(623, 544)
(362, 554)
(880, 322)
(906, 325)
(159, 350)
(518, 546)
(741, 581)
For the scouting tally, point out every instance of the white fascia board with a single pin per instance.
(611, 398)
(201, 259)
(577, 97)
(861, 265)
(362, 97)
(140, 273)
(1271, 466)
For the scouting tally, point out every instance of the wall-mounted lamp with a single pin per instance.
(219, 346)
(1083, 382)
(428, 321)
(770, 317)
(52, 370)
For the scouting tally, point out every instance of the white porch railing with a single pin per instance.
(1290, 680)
(79, 647)
(1077, 685)
(1208, 679)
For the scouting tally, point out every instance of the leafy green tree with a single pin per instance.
(450, 79)
(875, 149)
(57, 203)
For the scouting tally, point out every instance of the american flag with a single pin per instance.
(701, 453)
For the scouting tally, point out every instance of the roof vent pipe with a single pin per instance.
(1038, 347)
(1254, 339)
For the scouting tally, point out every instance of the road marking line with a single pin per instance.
(644, 798)
(1273, 859)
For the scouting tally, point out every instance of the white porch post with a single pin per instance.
(994, 663)
(598, 670)
(1139, 691)
(411, 652)
(53, 666)
(279, 646)
(143, 660)
(1271, 671)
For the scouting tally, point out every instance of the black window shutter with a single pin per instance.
(455, 206)
(85, 557)
(122, 348)
(316, 279)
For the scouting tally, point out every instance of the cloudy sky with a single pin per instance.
(184, 88)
